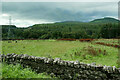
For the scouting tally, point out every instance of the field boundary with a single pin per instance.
(63, 69)
(106, 44)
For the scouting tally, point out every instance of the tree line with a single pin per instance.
(62, 30)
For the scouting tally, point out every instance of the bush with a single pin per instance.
(94, 51)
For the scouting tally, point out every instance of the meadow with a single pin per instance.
(87, 52)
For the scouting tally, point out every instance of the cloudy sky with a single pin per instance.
(25, 14)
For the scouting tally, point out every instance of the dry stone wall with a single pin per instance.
(63, 69)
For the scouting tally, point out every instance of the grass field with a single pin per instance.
(67, 50)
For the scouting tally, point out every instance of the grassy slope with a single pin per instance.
(62, 49)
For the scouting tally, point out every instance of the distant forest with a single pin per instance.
(68, 29)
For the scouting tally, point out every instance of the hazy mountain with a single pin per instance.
(101, 20)
(70, 22)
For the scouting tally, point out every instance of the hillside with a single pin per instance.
(105, 20)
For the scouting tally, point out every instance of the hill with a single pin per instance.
(105, 20)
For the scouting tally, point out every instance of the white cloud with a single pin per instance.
(21, 22)
(27, 23)
(5, 15)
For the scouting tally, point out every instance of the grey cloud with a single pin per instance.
(59, 11)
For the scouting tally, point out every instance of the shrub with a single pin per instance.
(90, 51)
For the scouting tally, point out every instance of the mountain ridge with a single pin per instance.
(100, 20)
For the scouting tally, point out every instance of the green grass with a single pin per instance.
(62, 49)
(16, 71)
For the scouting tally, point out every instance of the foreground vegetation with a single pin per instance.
(67, 50)
(17, 71)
